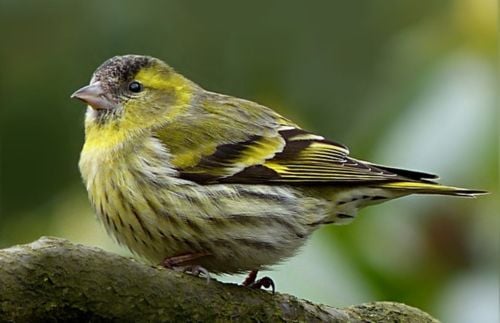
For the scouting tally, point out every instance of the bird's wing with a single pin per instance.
(263, 147)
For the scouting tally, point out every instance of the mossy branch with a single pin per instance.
(53, 279)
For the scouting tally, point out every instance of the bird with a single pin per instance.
(211, 183)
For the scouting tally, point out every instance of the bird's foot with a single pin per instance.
(181, 263)
(252, 281)
(196, 270)
(265, 282)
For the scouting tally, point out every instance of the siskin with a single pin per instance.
(200, 180)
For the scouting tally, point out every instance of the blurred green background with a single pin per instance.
(404, 83)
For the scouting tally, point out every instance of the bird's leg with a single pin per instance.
(250, 278)
(252, 281)
(176, 262)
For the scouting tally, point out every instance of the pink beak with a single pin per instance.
(94, 96)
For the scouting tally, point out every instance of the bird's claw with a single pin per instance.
(252, 281)
(196, 270)
(265, 282)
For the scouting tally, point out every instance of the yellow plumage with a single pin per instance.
(172, 169)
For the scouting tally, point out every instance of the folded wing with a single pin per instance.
(292, 156)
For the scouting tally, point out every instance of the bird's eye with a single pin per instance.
(135, 87)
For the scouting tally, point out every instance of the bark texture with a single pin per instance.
(53, 279)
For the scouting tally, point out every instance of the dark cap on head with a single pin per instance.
(122, 68)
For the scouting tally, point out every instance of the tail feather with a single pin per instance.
(431, 188)
(410, 174)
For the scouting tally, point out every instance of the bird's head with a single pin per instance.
(132, 92)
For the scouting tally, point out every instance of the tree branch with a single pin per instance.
(54, 279)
